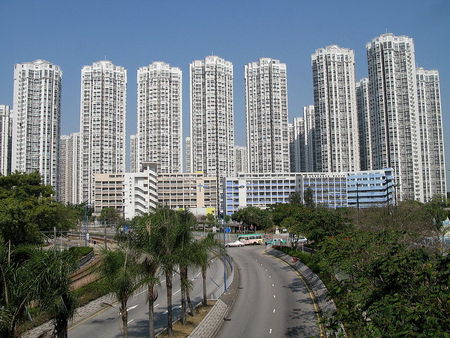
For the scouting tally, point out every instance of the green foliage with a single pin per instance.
(313, 223)
(252, 216)
(384, 287)
(27, 208)
(110, 216)
(32, 276)
(80, 251)
(309, 198)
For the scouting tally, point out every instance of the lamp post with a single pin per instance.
(86, 234)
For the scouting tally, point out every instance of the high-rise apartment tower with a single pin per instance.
(102, 122)
(36, 119)
(159, 122)
(336, 119)
(267, 116)
(212, 120)
(394, 112)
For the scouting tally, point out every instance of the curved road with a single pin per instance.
(107, 323)
(273, 300)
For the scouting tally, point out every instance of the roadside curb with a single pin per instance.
(211, 324)
(318, 290)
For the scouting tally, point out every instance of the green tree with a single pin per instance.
(123, 276)
(309, 198)
(110, 216)
(27, 208)
(253, 217)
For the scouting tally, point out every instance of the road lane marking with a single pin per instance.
(177, 292)
(274, 296)
(273, 285)
(270, 331)
(273, 310)
(130, 321)
(156, 305)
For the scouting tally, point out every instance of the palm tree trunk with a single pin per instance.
(61, 328)
(169, 302)
(124, 315)
(188, 297)
(183, 297)
(151, 315)
(204, 285)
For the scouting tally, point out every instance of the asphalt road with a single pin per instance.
(273, 301)
(107, 323)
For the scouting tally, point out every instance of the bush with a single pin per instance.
(80, 251)
(305, 257)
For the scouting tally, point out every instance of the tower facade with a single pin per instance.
(69, 169)
(36, 119)
(241, 159)
(394, 112)
(5, 140)
(134, 165)
(267, 116)
(336, 119)
(431, 133)
(102, 122)
(159, 122)
(365, 140)
(212, 120)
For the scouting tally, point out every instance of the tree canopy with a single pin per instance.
(27, 207)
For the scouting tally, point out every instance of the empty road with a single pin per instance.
(273, 301)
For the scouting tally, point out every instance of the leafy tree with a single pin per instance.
(253, 217)
(295, 198)
(123, 276)
(27, 208)
(385, 287)
(110, 216)
(309, 198)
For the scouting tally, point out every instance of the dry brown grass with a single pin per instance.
(181, 331)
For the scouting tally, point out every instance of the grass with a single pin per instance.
(180, 330)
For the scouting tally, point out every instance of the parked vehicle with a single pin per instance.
(276, 241)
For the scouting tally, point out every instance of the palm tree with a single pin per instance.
(143, 239)
(169, 238)
(53, 286)
(204, 249)
(186, 255)
(120, 270)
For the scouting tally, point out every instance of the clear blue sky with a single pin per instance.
(134, 33)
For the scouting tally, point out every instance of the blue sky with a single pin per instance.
(135, 33)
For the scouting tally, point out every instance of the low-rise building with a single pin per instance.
(193, 191)
(333, 190)
(131, 194)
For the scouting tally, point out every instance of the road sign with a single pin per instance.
(228, 229)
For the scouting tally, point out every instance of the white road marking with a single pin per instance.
(177, 292)
(273, 310)
(274, 296)
(156, 305)
(273, 285)
(130, 321)
(132, 307)
(270, 331)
